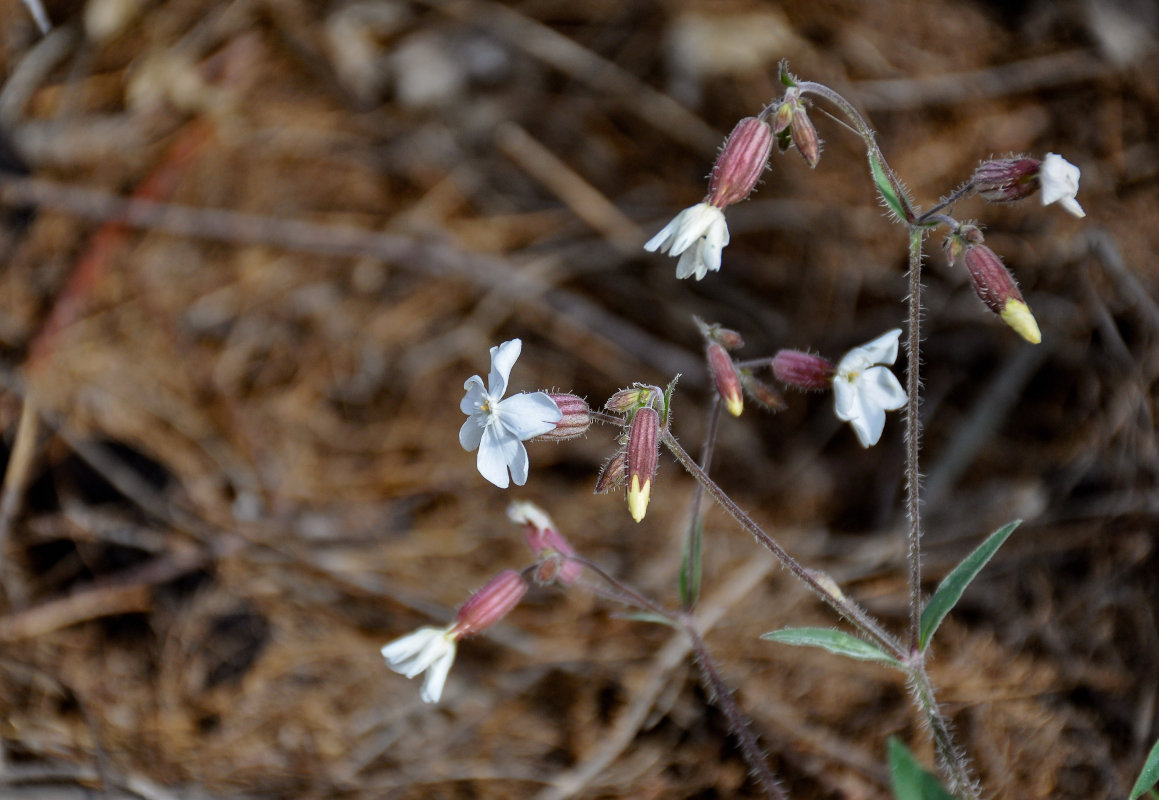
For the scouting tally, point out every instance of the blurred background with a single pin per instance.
(232, 465)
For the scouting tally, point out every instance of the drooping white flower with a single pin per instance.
(429, 650)
(1060, 183)
(698, 235)
(863, 389)
(498, 427)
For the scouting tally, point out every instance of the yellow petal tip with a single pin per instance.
(1017, 315)
(638, 498)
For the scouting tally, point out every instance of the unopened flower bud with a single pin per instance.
(490, 604)
(548, 544)
(783, 117)
(761, 393)
(742, 160)
(625, 400)
(724, 374)
(995, 286)
(643, 458)
(802, 370)
(1006, 180)
(956, 243)
(805, 136)
(576, 419)
(953, 246)
(728, 339)
(614, 473)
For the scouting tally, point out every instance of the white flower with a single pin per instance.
(697, 235)
(429, 650)
(863, 391)
(1060, 183)
(499, 427)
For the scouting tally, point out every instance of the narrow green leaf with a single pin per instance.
(646, 616)
(910, 781)
(1150, 774)
(838, 642)
(690, 566)
(951, 588)
(896, 204)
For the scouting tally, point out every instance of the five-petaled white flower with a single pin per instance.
(863, 390)
(697, 235)
(429, 650)
(499, 427)
(1060, 183)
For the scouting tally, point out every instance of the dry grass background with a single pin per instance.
(245, 477)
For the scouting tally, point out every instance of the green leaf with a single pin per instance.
(647, 616)
(895, 203)
(666, 416)
(1150, 774)
(838, 642)
(950, 590)
(910, 781)
(690, 566)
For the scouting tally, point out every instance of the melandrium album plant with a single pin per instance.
(864, 388)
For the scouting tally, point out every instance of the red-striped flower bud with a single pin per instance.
(761, 393)
(1006, 180)
(614, 473)
(803, 370)
(728, 339)
(643, 459)
(490, 604)
(576, 419)
(724, 374)
(626, 400)
(995, 286)
(545, 540)
(742, 160)
(805, 136)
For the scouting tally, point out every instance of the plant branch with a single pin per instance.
(913, 433)
(856, 615)
(720, 694)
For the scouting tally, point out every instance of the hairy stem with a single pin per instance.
(950, 756)
(737, 723)
(856, 615)
(913, 434)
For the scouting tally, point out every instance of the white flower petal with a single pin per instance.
(863, 390)
(691, 263)
(714, 241)
(475, 397)
(498, 449)
(519, 465)
(1060, 183)
(437, 677)
(882, 350)
(696, 235)
(430, 650)
(881, 388)
(663, 240)
(1072, 206)
(529, 415)
(472, 432)
(845, 399)
(503, 358)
